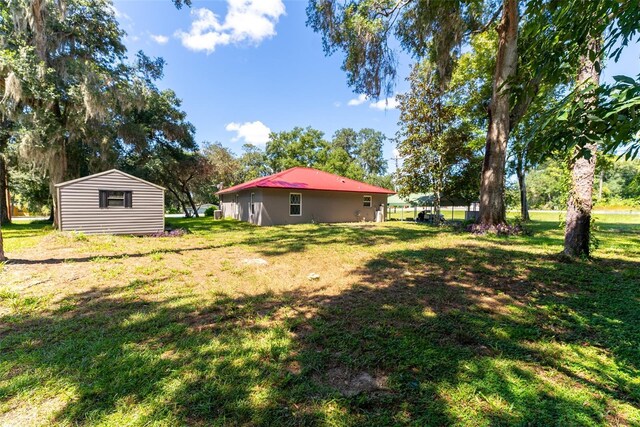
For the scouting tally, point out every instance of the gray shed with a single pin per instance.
(110, 202)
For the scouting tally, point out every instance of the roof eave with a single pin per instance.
(231, 190)
(95, 175)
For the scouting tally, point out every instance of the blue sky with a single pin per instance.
(242, 71)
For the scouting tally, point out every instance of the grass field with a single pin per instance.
(407, 324)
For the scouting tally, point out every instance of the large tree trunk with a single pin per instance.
(192, 203)
(2, 257)
(2, 209)
(3, 205)
(57, 173)
(522, 184)
(492, 208)
(578, 228)
(5, 217)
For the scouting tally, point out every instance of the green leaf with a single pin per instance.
(624, 79)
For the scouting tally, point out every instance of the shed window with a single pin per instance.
(366, 201)
(112, 199)
(295, 204)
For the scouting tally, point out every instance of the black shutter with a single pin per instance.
(103, 198)
(128, 199)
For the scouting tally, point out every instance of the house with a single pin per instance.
(110, 202)
(303, 195)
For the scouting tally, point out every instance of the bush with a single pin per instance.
(178, 232)
(500, 229)
(209, 211)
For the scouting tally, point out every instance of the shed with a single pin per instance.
(110, 202)
(304, 195)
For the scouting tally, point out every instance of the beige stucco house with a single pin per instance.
(110, 202)
(303, 195)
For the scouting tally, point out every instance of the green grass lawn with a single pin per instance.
(407, 325)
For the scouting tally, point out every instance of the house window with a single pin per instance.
(366, 201)
(252, 206)
(116, 199)
(295, 204)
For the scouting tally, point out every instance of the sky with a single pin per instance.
(244, 68)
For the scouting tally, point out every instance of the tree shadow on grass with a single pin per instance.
(269, 241)
(485, 334)
(476, 334)
(172, 360)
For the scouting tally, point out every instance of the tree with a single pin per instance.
(369, 152)
(64, 79)
(492, 207)
(157, 142)
(436, 30)
(384, 181)
(583, 163)
(361, 29)
(346, 139)
(4, 217)
(548, 183)
(225, 166)
(179, 171)
(523, 154)
(622, 179)
(5, 134)
(590, 116)
(253, 163)
(339, 162)
(2, 256)
(298, 147)
(434, 144)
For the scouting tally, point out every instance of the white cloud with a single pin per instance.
(159, 38)
(385, 104)
(361, 99)
(251, 132)
(247, 21)
(337, 104)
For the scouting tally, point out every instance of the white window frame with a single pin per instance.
(364, 201)
(291, 204)
(237, 206)
(252, 207)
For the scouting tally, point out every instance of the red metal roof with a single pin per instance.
(300, 178)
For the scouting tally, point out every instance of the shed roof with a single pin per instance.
(301, 178)
(73, 181)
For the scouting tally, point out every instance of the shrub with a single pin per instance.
(500, 229)
(209, 211)
(178, 232)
